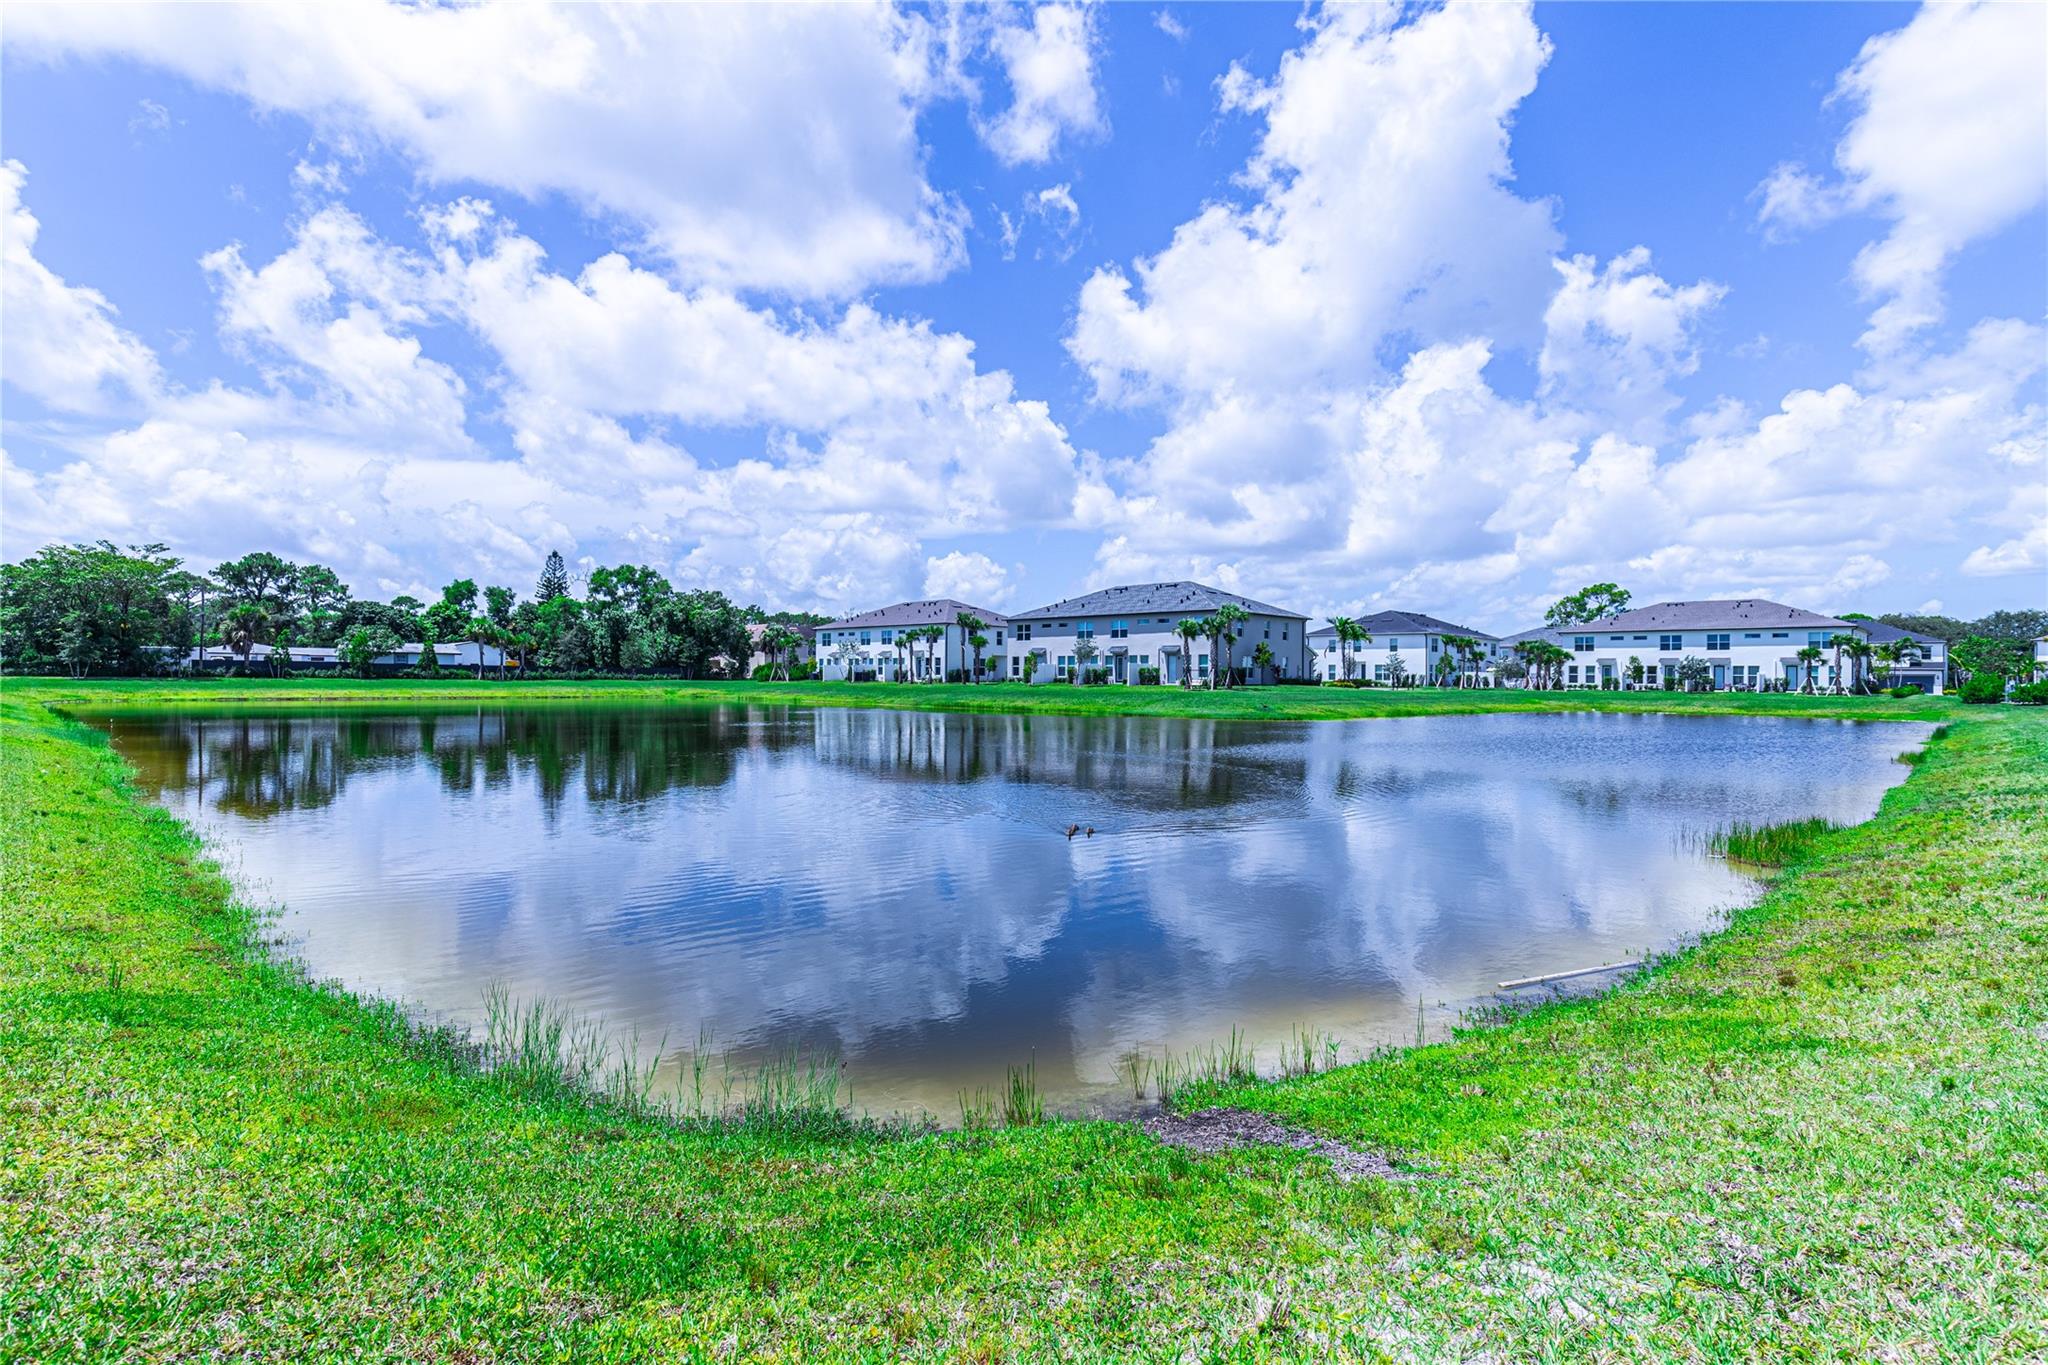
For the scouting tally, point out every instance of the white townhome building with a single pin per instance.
(873, 644)
(1405, 647)
(1134, 632)
(1748, 645)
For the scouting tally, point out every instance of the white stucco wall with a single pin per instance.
(1150, 641)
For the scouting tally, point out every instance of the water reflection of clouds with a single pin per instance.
(896, 885)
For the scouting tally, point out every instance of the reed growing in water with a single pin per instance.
(1770, 845)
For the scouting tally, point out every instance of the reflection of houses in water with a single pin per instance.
(1139, 761)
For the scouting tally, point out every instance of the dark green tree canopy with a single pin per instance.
(1587, 604)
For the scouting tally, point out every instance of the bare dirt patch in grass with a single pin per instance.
(1211, 1131)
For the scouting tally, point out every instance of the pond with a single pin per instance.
(898, 890)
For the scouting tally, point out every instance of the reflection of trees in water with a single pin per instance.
(256, 767)
(1146, 761)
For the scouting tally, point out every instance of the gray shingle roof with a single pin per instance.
(1138, 598)
(937, 611)
(1735, 613)
(1878, 633)
(1405, 623)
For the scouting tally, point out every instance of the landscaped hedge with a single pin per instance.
(1980, 689)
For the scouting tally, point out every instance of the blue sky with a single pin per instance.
(1448, 309)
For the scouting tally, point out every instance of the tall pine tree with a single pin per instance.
(554, 579)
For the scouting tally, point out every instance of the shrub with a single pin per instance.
(1148, 677)
(2030, 694)
(1903, 690)
(1980, 689)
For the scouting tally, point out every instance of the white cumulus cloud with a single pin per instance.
(751, 146)
(60, 342)
(1949, 141)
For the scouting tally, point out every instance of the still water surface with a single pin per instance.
(897, 889)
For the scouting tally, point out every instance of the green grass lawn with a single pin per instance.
(1823, 1134)
(1247, 703)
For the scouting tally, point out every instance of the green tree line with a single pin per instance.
(103, 609)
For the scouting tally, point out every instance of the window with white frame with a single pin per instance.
(1671, 644)
(1582, 644)
(1717, 643)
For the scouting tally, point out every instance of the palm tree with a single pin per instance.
(1810, 656)
(1263, 655)
(1840, 641)
(1525, 650)
(1464, 648)
(243, 629)
(1341, 627)
(1859, 651)
(935, 653)
(779, 640)
(1190, 630)
(1904, 650)
(1224, 622)
(480, 632)
(971, 627)
(1358, 635)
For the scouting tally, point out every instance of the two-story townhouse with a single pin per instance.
(1134, 636)
(872, 645)
(1748, 645)
(1406, 643)
(1924, 667)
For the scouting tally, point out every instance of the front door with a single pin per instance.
(1720, 677)
(1120, 660)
